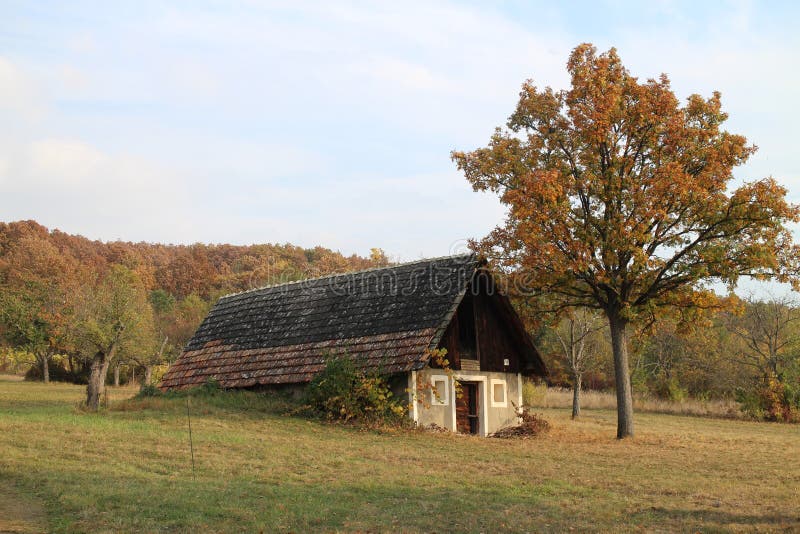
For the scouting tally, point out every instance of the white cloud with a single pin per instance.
(73, 184)
(77, 187)
(61, 162)
(406, 74)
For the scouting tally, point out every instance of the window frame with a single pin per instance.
(445, 398)
(492, 383)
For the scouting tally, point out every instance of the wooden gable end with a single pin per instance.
(487, 329)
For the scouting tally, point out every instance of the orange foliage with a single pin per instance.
(618, 195)
(181, 270)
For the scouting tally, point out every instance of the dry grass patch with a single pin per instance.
(544, 397)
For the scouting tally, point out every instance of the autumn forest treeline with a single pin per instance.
(65, 298)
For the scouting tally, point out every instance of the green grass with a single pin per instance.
(129, 470)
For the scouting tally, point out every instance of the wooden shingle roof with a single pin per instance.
(384, 318)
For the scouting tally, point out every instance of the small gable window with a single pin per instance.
(499, 393)
(439, 390)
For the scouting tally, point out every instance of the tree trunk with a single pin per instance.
(576, 396)
(619, 346)
(148, 375)
(116, 376)
(46, 370)
(97, 380)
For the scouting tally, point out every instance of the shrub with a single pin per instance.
(533, 394)
(341, 392)
(772, 400)
(148, 390)
(209, 388)
(669, 389)
(207, 398)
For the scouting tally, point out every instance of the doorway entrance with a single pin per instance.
(467, 409)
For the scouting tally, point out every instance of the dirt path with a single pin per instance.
(18, 513)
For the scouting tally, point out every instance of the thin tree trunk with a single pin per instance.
(148, 375)
(46, 369)
(96, 387)
(116, 376)
(93, 387)
(576, 397)
(619, 345)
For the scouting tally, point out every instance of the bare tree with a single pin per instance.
(770, 332)
(574, 334)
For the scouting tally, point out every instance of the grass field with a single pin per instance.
(129, 470)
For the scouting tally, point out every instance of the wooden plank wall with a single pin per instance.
(495, 340)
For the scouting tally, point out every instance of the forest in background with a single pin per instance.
(65, 298)
(746, 350)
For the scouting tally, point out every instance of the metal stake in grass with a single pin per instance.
(191, 444)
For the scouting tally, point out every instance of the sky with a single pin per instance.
(332, 123)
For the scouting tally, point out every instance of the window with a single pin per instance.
(439, 390)
(499, 399)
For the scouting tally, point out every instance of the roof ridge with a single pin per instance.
(349, 273)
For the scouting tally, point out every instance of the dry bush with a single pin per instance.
(433, 427)
(531, 425)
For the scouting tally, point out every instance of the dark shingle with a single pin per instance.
(384, 318)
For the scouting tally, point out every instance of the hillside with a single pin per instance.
(206, 270)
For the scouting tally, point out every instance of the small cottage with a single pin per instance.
(387, 319)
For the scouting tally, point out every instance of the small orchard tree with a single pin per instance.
(164, 322)
(618, 199)
(116, 318)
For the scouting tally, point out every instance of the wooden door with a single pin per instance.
(467, 409)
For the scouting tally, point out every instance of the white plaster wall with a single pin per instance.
(493, 418)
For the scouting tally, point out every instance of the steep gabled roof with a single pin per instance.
(384, 318)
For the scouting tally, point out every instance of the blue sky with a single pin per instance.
(331, 123)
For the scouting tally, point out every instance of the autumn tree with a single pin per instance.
(38, 285)
(621, 199)
(116, 318)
